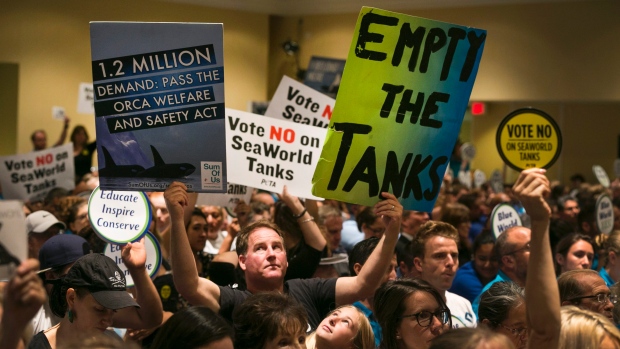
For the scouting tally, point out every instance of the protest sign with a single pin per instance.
(86, 99)
(153, 257)
(401, 102)
(58, 113)
(601, 175)
(528, 138)
(229, 200)
(159, 105)
(13, 237)
(324, 75)
(479, 178)
(503, 217)
(464, 178)
(604, 214)
(468, 151)
(497, 182)
(269, 153)
(298, 103)
(119, 216)
(31, 176)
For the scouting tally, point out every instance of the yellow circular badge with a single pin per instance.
(165, 292)
(528, 138)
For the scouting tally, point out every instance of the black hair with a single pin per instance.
(486, 237)
(191, 328)
(361, 251)
(366, 216)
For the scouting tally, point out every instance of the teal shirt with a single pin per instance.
(376, 328)
(605, 275)
(499, 278)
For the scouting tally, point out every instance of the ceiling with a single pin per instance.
(305, 7)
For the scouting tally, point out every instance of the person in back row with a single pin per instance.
(262, 257)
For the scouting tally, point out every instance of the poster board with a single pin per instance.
(159, 105)
(401, 102)
(13, 237)
(324, 75)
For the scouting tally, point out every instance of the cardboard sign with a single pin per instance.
(298, 103)
(229, 200)
(401, 102)
(479, 178)
(31, 176)
(13, 237)
(503, 217)
(86, 99)
(497, 182)
(528, 138)
(604, 214)
(324, 75)
(159, 105)
(269, 153)
(119, 216)
(153, 257)
(468, 151)
(601, 175)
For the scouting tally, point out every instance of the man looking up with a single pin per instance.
(262, 257)
(436, 257)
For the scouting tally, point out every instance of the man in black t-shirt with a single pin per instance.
(262, 257)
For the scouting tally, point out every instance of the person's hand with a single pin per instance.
(233, 228)
(134, 255)
(138, 335)
(176, 198)
(531, 188)
(24, 295)
(292, 201)
(390, 210)
(67, 120)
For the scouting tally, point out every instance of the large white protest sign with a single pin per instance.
(86, 99)
(296, 102)
(119, 216)
(268, 153)
(31, 176)
(13, 240)
(229, 200)
(153, 257)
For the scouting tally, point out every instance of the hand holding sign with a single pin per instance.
(176, 198)
(390, 210)
(134, 255)
(531, 188)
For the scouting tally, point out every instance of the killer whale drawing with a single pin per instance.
(163, 170)
(111, 169)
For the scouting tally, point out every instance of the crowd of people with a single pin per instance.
(280, 272)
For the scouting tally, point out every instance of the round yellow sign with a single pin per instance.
(528, 138)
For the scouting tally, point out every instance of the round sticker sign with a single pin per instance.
(528, 138)
(153, 257)
(503, 217)
(604, 214)
(119, 216)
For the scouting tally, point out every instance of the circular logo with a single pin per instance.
(503, 217)
(528, 138)
(165, 292)
(604, 214)
(601, 175)
(153, 257)
(119, 217)
(468, 151)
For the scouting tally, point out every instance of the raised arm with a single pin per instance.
(541, 289)
(150, 312)
(352, 289)
(63, 133)
(309, 229)
(195, 290)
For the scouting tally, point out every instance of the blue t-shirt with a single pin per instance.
(350, 235)
(605, 275)
(376, 328)
(467, 283)
(499, 278)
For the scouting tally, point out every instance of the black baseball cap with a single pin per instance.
(103, 279)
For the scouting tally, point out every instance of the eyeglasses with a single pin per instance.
(601, 298)
(524, 248)
(518, 332)
(425, 317)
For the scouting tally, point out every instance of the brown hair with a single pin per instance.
(244, 235)
(429, 230)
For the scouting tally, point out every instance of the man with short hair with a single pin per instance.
(436, 257)
(585, 289)
(412, 221)
(41, 226)
(262, 257)
(512, 251)
(331, 218)
(39, 137)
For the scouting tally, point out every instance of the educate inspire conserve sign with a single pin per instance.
(401, 102)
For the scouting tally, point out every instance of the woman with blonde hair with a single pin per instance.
(345, 327)
(586, 329)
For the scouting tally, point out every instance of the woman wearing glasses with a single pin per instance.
(411, 313)
(502, 309)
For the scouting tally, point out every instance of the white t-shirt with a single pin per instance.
(213, 246)
(44, 319)
(461, 310)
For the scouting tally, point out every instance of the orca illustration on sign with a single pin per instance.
(163, 170)
(111, 169)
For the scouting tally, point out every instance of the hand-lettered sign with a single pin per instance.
(401, 102)
(528, 138)
(119, 217)
(159, 105)
(153, 257)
